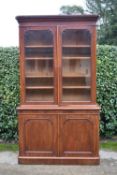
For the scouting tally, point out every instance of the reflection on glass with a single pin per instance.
(76, 65)
(39, 65)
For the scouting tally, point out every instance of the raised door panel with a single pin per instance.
(38, 134)
(78, 135)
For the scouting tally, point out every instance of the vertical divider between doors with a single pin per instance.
(59, 64)
(58, 142)
(57, 43)
(59, 70)
(58, 87)
(55, 69)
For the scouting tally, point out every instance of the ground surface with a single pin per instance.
(9, 166)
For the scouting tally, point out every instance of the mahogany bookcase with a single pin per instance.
(58, 117)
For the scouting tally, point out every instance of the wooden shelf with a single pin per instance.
(39, 58)
(75, 76)
(76, 58)
(39, 87)
(76, 87)
(73, 46)
(36, 76)
(38, 46)
(51, 58)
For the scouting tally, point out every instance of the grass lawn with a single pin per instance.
(109, 145)
(105, 145)
(8, 147)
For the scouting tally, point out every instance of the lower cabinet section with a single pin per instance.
(58, 138)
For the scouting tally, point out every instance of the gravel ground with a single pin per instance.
(9, 166)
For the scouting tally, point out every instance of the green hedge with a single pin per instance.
(9, 93)
(106, 90)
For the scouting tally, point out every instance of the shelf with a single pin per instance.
(39, 87)
(38, 46)
(36, 76)
(73, 46)
(76, 58)
(51, 58)
(75, 76)
(76, 87)
(39, 58)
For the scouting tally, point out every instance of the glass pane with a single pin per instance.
(39, 65)
(76, 65)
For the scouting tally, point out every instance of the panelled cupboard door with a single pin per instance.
(78, 135)
(38, 134)
(76, 55)
(39, 62)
